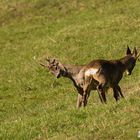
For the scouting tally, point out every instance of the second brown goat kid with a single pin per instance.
(108, 73)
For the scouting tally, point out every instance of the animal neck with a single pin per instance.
(125, 61)
(71, 72)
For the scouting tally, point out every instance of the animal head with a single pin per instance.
(55, 67)
(131, 59)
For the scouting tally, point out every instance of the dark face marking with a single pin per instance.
(55, 70)
(131, 64)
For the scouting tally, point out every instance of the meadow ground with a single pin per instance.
(33, 103)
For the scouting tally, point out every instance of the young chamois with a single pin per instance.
(108, 74)
(72, 72)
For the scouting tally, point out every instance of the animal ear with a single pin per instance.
(128, 50)
(48, 60)
(42, 64)
(47, 64)
(135, 52)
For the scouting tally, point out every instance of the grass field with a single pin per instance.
(34, 105)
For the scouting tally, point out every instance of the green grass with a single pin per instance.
(33, 103)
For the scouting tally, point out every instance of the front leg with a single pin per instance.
(116, 94)
(79, 100)
(86, 89)
(84, 99)
(101, 92)
(119, 89)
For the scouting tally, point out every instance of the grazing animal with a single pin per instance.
(72, 72)
(108, 73)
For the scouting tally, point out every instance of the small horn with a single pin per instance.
(47, 59)
(53, 61)
(43, 64)
(135, 52)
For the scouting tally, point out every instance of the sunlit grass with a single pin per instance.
(36, 105)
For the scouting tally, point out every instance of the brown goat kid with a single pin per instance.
(71, 72)
(108, 74)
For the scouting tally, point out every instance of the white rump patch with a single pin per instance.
(91, 71)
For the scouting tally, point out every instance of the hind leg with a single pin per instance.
(102, 86)
(101, 92)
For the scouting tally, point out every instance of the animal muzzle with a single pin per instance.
(128, 72)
